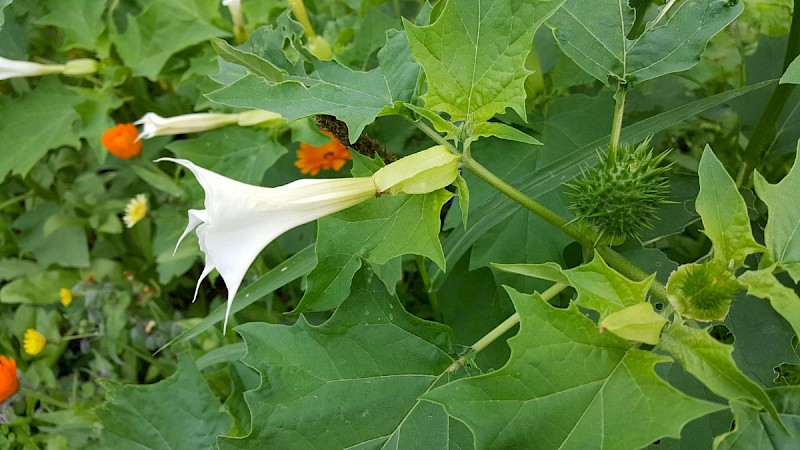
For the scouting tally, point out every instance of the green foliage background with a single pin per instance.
(393, 324)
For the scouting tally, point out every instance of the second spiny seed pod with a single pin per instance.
(620, 196)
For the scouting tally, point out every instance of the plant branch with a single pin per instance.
(501, 329)
(763, 136)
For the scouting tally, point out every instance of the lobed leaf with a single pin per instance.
(568, 386)
(354, 381)
(474, 55)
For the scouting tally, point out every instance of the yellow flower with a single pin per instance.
(135, 210)
(66, 297)
(33, 342)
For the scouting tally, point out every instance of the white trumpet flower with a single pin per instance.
(239, 219)
(10, 68)
(155, 125)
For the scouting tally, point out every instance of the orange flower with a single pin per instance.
(122, 141)
(332, 155)
(8, 377)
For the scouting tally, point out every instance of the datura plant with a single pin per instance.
(239, 219)
(490, 224)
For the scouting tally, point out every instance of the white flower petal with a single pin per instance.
(10, 68)
(155, 125)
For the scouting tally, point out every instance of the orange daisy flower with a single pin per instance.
(122, 141)
(8, 377)
(330, 156)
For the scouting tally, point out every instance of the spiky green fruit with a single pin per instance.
(620, 196)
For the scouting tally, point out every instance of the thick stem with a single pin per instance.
(501, 329)
(765, 132)
(616, 125)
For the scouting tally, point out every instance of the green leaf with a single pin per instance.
(81, 22)
(283, 86)
(638, 323)
(762, 283)
(247, 154)
(780, 234)
(463, 198)
(474, 55)
(66, 245)
(755, 430)
(724, 213)
(151, 175)
(36, 122)
(39, 289)
(12, 268)
(162, 29)
(3, 4)
(568, 386)
(599, 287)
(180, 412)
(595, 36)
(95, 116)
(712, 363)
(377, 230)
(502, 131)
(354, 381)
(792, 74)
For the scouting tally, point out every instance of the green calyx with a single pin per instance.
(702, 291)
(620, 196)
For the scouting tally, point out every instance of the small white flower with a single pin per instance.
(155, 125)
(241, 219)
(10, 68)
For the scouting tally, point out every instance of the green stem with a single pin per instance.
(570, 229)
(436, 137)
(16, 199)
(426, 280)
(616, 125)
(501, 329)
(765, 132)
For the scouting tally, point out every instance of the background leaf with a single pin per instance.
(756, 430)
(596, 36)
(180, 412)
(163, 28)
(781, 234)
(36, 122)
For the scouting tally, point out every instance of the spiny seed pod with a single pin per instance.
(620, 196)
(702, 291)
